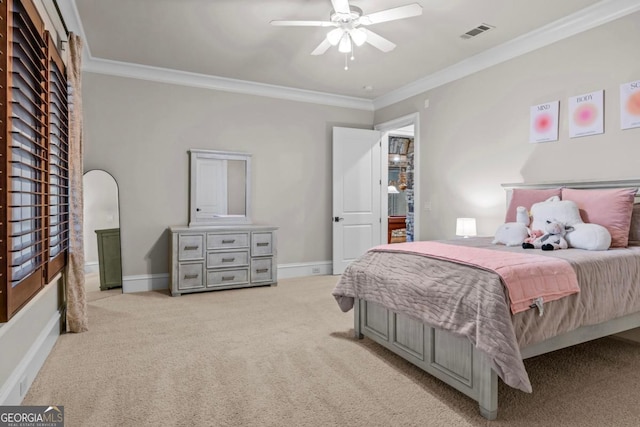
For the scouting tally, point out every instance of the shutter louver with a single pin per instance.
(58, 164)
(34, 185)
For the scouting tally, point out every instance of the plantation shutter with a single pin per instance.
(58, 226)
(34, 215)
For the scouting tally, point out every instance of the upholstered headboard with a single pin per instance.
(624, 183)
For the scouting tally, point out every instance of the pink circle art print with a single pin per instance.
(585, 115)
(630, 105)
(543, 123)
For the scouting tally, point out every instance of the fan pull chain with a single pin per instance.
(346, 62)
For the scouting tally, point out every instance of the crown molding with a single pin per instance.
(204, 81)
(598, 14)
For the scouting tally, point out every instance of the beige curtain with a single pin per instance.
(76, 299)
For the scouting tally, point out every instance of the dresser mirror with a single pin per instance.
(220, 188)
(103, 263)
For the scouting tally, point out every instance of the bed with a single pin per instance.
(457, 322)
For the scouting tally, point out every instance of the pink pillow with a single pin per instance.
(610, 208)
(527, 197)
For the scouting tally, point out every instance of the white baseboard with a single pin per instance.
(91, 267)
(145, 282)
(286, 271)
(14, 389)
(155, 282)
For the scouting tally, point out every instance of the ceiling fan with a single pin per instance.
(349, 27)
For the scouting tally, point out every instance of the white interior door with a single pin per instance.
(356, 194)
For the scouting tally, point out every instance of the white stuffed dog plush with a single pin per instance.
(593, 237)
(513, 233)
(553, 237)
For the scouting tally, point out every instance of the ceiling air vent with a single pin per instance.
(477, 31)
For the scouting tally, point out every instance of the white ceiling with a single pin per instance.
(233, 38)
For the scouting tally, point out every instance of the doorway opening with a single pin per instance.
(400, 171)
(400, 185)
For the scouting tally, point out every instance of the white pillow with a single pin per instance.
(564, 211)
(593, 237)
(511, 234)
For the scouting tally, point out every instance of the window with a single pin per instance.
(34, 168)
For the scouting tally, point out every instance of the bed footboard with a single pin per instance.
(447, 357)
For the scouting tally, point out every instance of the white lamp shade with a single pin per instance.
(334, 36)
(358, 35)
(466, 227)
(392, 189)
(345, 44)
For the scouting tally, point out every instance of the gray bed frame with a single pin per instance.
(454, 359)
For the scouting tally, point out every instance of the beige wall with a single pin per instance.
(474, 136)
(140, 132)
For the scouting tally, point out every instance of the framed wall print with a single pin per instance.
(630, 105)
(586, 114)
(543, 126)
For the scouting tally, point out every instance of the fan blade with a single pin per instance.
(303, 23)
(341, 6)
(401, 12)
(379, 42)
(322, 47)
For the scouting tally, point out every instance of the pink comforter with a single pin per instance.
(526, 276)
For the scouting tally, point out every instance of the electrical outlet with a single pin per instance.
(315, 270)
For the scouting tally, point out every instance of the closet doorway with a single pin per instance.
(368, 184)
(400, 161)
(400, 172)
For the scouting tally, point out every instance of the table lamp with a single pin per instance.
(466, 227)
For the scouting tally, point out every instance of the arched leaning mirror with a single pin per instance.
(103, 263)
(220, 188)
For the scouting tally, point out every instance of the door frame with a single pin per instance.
(386, 128)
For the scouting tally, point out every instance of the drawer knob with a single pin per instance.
(190, 276)
(191, 248)
(228, 259)
(263, 244)
(227, 278)
(229, 241)
(262, 270)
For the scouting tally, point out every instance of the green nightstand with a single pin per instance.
(109, 258)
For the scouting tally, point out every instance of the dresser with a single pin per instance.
(206, 258)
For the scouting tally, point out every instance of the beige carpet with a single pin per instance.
(285, 356)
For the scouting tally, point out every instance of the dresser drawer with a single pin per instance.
(262, 270)
(227, 241)
(190, 247)
(227, 259)
(190, 276)
(227, 277)
(261, 244)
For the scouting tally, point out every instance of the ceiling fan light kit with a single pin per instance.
(348, 20)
